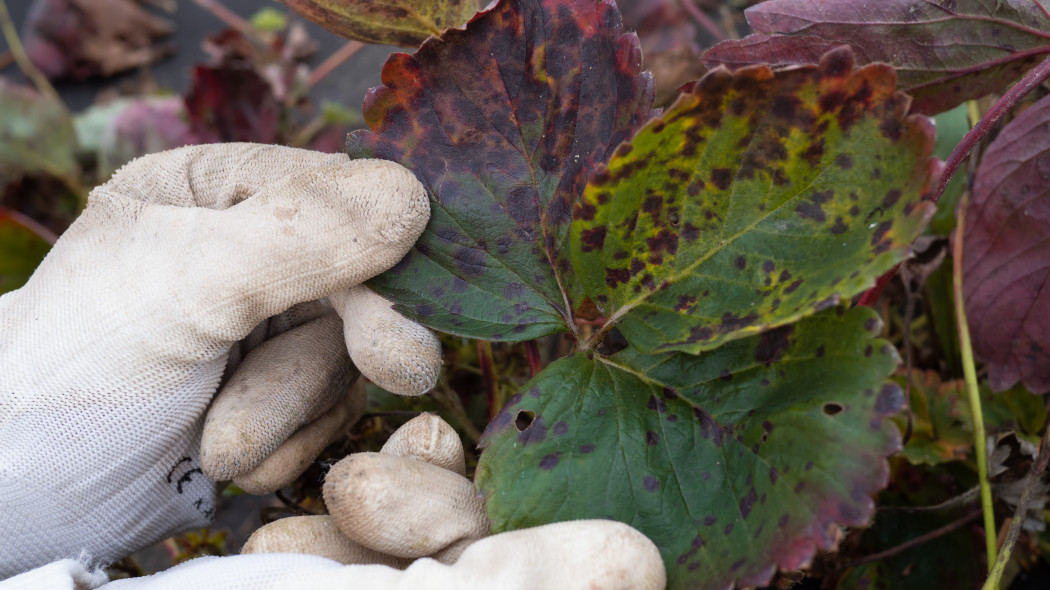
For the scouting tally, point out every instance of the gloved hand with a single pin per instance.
(112, 352)
(388, 508)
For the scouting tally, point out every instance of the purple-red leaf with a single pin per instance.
(231, 104)
(944, 52)
(503, 122)
(1006, 264)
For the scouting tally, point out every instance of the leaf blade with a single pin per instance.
(501, 124)
(1006, 254)
(705, 455)
(406, 22)
(758, 198)
(944, 53)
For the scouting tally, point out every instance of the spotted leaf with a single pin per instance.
(945, 51)
(1006, 255)
(502, 122)
(734, 462)
(393, 22)
(756, 199)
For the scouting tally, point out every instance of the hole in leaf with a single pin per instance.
(524, 419)
(831, 408)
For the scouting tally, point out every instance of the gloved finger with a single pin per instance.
(394, 352)
(215, 176)
(285, 383)
(291, 459)
(315, 535)
(403, 506)
(582, 554)
(430, 439)
(574, 555)
(299, 226)
(293, 317)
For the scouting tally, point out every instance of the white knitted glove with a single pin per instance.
(390, 508)
(112, 352)
(576, 555)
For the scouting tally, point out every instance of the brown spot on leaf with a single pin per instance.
(722, 177)
(593, 239)
(812, 211)
(891, 198)
(747, 502)
(772, 344)
(615, 276)
(684, 302)
(700, 333)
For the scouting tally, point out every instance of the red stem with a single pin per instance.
(532, 352)
(227, 16)
(333, 61)
(488, 378)
(1033, 78)
(703, 20)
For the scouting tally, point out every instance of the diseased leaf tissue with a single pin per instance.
(732, 225)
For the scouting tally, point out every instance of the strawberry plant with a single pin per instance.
(711, 278)
(727, 401)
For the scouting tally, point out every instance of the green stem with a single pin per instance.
(19, 53)
(970, 375)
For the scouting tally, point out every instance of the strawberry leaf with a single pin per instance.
(502, 122)
(755, 200)
(944, 52)
(1006, 260)
(399, 22)
(734, 463)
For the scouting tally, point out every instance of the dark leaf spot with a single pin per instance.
(773, 344)
(650, 483)
(722, 177)
(549, 462)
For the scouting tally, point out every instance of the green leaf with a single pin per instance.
(36, 134)
(942, 429)
(734, 463)
(502, 123)
(23, 244)
(393, 22)
(757, 199)
(942, 425)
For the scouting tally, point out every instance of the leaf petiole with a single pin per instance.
(970, 374)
